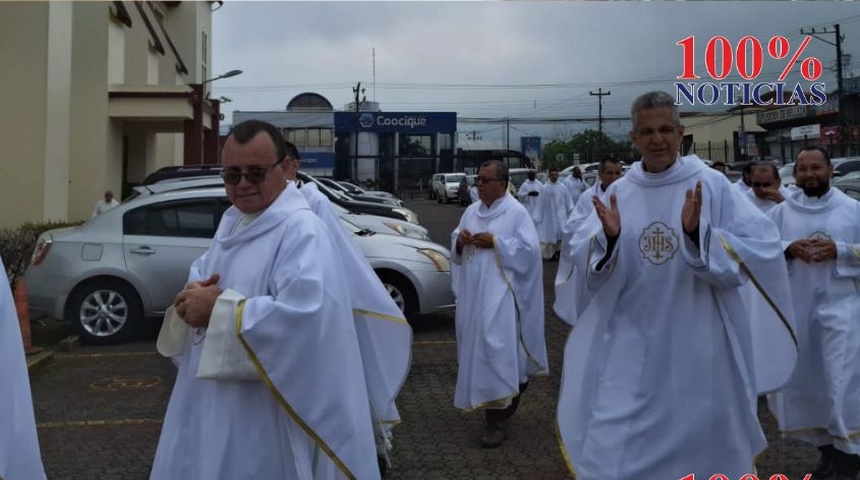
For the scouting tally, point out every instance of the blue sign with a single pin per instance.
(530, 146)
(407, 123)
(317, 159)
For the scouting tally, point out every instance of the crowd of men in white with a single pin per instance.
(689, 296)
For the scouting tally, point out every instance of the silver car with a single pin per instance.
(128, 263)
(371, 222)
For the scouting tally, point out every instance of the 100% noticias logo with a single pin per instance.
(747, 59)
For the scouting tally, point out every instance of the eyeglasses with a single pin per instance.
(760, 185)
(254, 175)
(487, 180)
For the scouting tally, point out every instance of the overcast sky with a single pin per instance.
(497, 59)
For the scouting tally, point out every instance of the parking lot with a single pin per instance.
(99, 409)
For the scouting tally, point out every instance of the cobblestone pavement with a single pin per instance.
(99, 409)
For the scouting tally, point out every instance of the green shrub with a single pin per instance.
(17, 244)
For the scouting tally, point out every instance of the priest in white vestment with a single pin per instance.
(820, 229)
(529, 196)
(575, 185)
(384, 335)
(270, 382)
(20, 457)
(767, 190)
(555, 205)
(498, 282)
(571, 294)
(659, 380)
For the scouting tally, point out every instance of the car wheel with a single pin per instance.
(401, 291)
(104, 311)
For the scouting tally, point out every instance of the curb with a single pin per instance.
(38, 361)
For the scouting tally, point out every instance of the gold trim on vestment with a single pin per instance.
(567, 462)
(240, 308)
(737, 258)
(379, 316)
(852, 436)
(855, 250)
(498, 403)
(516, 305)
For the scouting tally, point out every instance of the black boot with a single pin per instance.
(827, 464)
(495, 435)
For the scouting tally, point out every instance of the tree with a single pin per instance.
(590, 145)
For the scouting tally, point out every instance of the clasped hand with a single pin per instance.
(479, 240)
(813, 251)
(610, 218)
(194, 304)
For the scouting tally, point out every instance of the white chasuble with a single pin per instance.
(500, 306)
(307, 416)
(659, 376)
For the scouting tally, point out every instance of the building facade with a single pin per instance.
(727, 137)
(104, 92)
(390, 150)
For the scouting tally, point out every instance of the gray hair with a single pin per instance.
(655, 99)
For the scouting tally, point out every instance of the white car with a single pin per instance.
(446, 185)
(128, 264)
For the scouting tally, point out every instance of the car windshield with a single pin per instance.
(455, 178)
(786, 171)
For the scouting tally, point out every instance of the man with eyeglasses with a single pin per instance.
(384, 335)
(497, 278)
(767, 190)
(270, 383)
(820, 228)
(662, 371)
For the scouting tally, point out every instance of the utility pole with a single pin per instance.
(839, 88)
(508, 136)
(356, 90)
(600, 96)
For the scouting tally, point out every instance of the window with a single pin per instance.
(196, 219)
(296, 136)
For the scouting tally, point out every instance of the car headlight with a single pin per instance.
(396, 228)
(410, 216)
(440, 261)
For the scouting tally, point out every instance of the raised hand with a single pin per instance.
(692, 210)
(609, 217)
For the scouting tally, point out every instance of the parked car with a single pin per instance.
(359, 196)
(378, 224)
(466, 183)
(187, 172)
(850, 187)
(126, 265)
(445, 186)
(841, 167)
(356, 189)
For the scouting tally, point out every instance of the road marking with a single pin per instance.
(435, 342)
(101, 423)
(100, 355)
(125, 383)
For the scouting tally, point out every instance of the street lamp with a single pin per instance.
(200, 146)
(231, 73)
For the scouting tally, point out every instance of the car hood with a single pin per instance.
(396, 247)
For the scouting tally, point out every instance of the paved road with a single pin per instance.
(99, 410)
